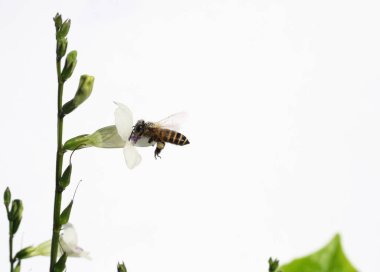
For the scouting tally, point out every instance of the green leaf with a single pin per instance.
(330, 258)
(65, 215)
(64, 181)
(61, 264)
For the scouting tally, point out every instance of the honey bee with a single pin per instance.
(159, 133)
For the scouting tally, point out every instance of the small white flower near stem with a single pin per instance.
(124, 125)
(116, 136)
(68, 242)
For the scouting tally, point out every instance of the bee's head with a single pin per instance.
(138, 130)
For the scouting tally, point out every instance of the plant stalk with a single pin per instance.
(58, 173)
(11, 260)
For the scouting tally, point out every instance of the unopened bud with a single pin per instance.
(61, 48)
(121, 267)
(273, 264)
(18, 267)
(86, 84)
(16, 214)
(7, 197)
(57, 21)
(70, 63)
(64, 29)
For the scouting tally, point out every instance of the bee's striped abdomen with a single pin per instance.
(176, 138)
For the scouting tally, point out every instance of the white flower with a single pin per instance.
(68, 243)
(124, 124)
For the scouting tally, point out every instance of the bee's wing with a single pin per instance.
(173, 121)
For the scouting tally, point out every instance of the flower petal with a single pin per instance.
(123, 121)
(132, 157)
(69, 235)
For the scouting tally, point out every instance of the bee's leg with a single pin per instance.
(159, 147)
(150, 140)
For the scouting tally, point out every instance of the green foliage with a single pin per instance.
(64, 181)
(61, 264)
(330, 258)
(65, 215)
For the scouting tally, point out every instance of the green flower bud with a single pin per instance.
(7, 197)
(61, 264)
(273, 264)
(65, 215)
(121, 267)
(64, 29)
(15, 209)
(18, 267)
(57, 21)
(77, 142)
(106, 137)
(16, 214)
(70, 63)
(24, 253)
(64, 181)
(61, 48)
(86, 84)
(42, 249)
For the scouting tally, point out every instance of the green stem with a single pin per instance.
(11, 260)
(58, 172)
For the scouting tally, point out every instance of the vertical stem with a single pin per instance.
(11, 260)
(58, 172)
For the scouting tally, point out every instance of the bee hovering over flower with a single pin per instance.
(159, 133)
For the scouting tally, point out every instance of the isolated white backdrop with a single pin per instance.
(283, 99)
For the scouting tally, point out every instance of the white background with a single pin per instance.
(283, 98)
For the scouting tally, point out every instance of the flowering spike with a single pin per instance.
(7, 197)
(86, 84)
(65, 215)
(65, 179)
(70, 63)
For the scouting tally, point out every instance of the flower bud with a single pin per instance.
(64, 29)
(61, 48)
(64, 181)
(24, 253)
(273, 264)
(18, 267)
(121, 267)
(77, 142)
(16, 214)
(70, 63)
(61, 264)
(86, 84)
(65, 215)
(7, 197)
(57, 21)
